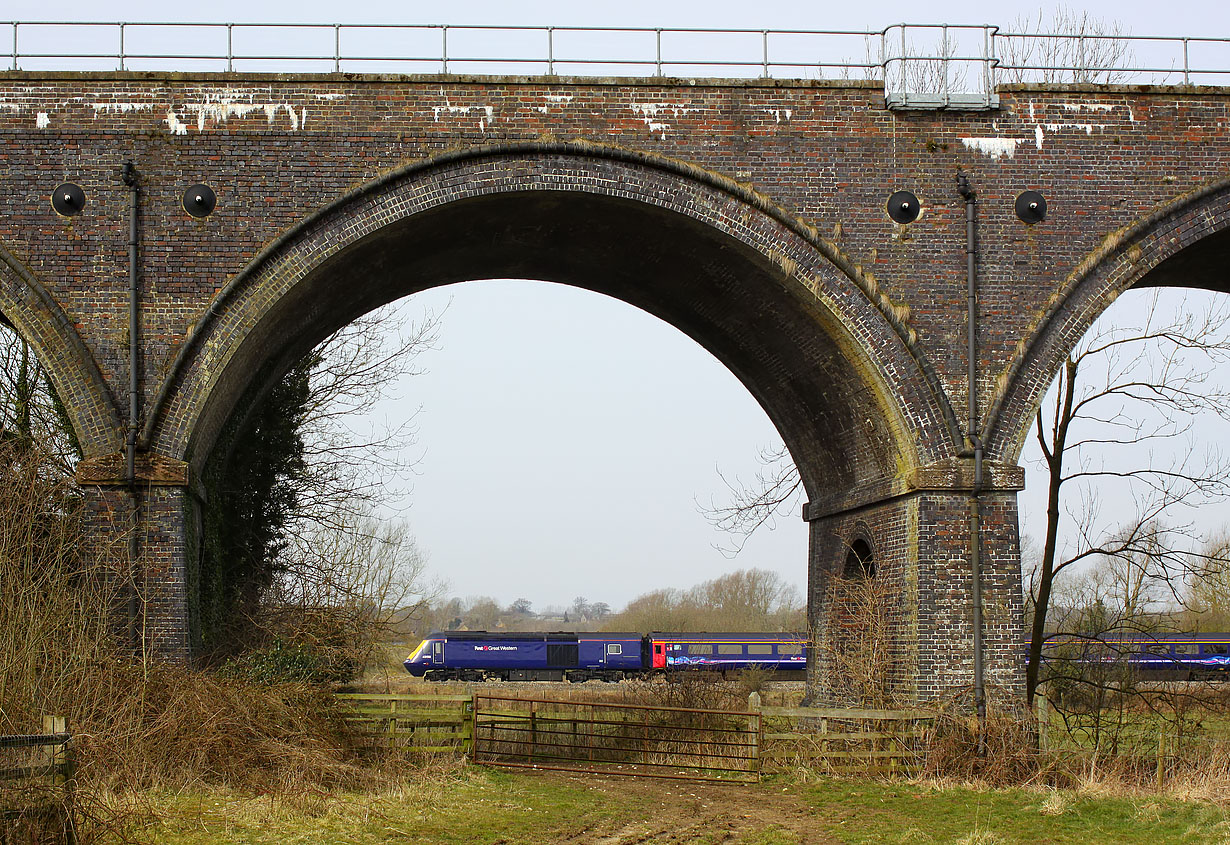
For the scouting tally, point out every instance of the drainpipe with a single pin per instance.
(975, 516)
(129, 176)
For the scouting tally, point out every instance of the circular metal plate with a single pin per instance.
(903, 207)
(1031, 207)
(68, 199)
(200, 200)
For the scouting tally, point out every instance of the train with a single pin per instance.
(1160, 656)
(572, 656)
(559, 656)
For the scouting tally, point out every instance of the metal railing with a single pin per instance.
(920, 65)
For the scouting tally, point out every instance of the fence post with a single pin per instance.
(755, 727)
(57, 755)
(1161, 754)
(1043, 723)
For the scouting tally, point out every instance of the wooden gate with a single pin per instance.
(621, 739)
(418, 724)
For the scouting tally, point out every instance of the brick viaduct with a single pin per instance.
(750, 215)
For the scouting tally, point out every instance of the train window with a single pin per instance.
(700, 648)
(790, 648)
(1185, 648)
(1215, 648)
(614, 648)
(759, 648)
(730, 648)
(1157, 648)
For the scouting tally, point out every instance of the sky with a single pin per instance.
(555, 458)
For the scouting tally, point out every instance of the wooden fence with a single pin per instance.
(845, 741)
(418, 724)
(36, 779)
(631, 739)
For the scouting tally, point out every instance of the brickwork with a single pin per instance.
(751, 215)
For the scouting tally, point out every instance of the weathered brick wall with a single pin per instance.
(1133, 176)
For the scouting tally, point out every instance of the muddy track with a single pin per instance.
(692, 813)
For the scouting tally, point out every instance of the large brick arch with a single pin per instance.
(831, 360)
(37, 317)
(1183, 243)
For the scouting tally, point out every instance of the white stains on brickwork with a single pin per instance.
(781, 115)
(650, 112)
(994, 148)
(1087, 128)
(296, 118)
(1103, 107)
(176, 126)
(120, 108)
(486, 113)
(556, 100)
(1038, 135)
(43, 120)
(218, 107)
(330, 96)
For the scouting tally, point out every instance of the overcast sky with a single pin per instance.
(565, 453)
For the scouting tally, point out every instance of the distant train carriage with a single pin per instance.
(1151, 656)
(728, 651)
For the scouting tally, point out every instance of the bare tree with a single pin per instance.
(1208, 588)
(351, 469)
(1123, 391)
(776, 491)
(30, 408)
(1069, 47)
(744, 600)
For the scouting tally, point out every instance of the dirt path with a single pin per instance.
(687, 812)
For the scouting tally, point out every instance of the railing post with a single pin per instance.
(905, 94)
(658, 33)
(550, 51)
(230, 47)
(121, 56)
(444, 46)
(988, 61)
(337, 48)
(764, 36)
(1186, 66)
(944, 60)
(15, 28)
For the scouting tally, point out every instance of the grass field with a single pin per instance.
(486, 806)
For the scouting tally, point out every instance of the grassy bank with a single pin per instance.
(483, 806)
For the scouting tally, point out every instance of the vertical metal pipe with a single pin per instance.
(129, 175)
(975, 514)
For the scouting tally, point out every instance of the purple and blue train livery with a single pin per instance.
(537, 656)
(1152, 656)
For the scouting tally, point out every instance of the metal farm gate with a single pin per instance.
(621, 739)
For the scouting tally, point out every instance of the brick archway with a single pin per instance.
(831, 360)
(37, 317)
(1182, 243)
